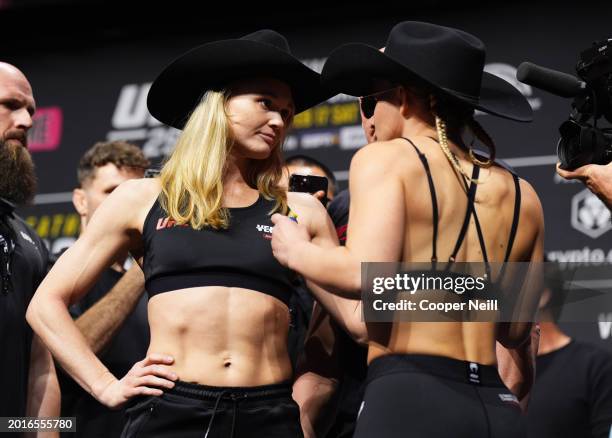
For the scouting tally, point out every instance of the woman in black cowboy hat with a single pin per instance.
(217, 363)
(420, 194)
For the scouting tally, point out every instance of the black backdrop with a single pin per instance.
(90, 84)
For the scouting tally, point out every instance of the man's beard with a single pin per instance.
(17, 176)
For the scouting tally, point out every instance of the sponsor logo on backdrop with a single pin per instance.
(589, 215)
(329, 115)
(47, 127)
(58, 231)
(508, 73)
(584, 255)
(132, 122)
(318, 140)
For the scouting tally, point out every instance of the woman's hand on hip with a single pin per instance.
(146, 377)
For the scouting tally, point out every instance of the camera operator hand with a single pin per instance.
(596, 177)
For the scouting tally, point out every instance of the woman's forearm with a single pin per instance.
(51, 321)
(346, 312)
(332, 268)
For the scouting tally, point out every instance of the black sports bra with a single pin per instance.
(179, 257)
(471, 210)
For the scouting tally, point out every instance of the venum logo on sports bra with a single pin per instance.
(166, 222)
(266, 229)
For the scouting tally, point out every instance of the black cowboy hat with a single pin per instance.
(179, 87)
(448, 59)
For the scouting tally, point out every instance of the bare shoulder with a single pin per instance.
(128, 204)
(141, 187)
(384, 159)
(531, 206)
(136, 192)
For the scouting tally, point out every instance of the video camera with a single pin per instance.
(582, 141)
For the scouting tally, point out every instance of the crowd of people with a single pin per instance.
(210, 300)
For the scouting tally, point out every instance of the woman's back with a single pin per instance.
(495, 207)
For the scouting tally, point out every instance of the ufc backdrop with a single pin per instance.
(99, 93)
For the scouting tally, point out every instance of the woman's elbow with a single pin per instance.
(359, 333)
(354, 281)
(33, 313)
(513, 335)
(39, 306)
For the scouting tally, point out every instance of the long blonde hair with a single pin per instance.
(192, 176)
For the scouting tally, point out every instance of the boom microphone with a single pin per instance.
(555, 82)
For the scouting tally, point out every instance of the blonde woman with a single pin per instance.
(420, 194)
(217, 365)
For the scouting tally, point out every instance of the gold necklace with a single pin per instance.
(452, 158)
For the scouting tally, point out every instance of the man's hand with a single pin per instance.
(596, 177)
(286, 236)
(145, 378)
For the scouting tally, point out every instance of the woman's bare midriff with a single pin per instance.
(222, 336)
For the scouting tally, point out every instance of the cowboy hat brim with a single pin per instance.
(179, 87)
(352, 69)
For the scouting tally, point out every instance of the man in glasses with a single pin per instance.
(28, 383)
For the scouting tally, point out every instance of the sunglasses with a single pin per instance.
(368, 103)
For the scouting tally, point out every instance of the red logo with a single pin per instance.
(46, 132)
(341, 231)
(166, 222)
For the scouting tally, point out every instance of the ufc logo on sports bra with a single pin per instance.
(166, 222)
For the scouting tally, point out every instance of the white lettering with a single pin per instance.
(377, 286)
(584, 255)
(441, 307)
(131, 110)
(265, 228)
(605, 325)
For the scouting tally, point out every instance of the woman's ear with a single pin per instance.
(406, 100)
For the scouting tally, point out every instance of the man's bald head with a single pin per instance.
(17, 107)
(10, 68)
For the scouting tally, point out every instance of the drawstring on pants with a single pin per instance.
(235, 398)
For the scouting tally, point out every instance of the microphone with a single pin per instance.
(555, 82)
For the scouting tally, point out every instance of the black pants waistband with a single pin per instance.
(440, 366)
(204, 392)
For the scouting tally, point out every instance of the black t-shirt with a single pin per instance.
(572, 395)
(28, 266)
(127, 347)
